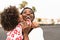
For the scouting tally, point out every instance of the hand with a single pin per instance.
(25, 36)
(35, 24)
(26, 28)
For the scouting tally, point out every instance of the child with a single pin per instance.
(11, 23)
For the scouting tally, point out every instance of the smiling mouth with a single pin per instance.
(28, 17)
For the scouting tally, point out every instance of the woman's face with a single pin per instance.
(27, 14)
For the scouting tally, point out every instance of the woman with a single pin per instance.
(28, 13)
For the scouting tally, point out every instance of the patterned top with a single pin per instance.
(16, 34)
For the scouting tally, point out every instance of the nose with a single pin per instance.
(28, 13)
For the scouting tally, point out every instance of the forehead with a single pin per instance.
(27, 10)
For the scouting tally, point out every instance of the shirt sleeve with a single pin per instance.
(16, 34)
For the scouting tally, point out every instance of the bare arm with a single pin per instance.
(25, 36)
(25, 32)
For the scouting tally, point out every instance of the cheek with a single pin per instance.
(32, 16)
(23, 15)
(19, 20)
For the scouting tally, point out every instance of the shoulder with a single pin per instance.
(36, 34)
(38, 29)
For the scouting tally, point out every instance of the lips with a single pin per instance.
(28, 17)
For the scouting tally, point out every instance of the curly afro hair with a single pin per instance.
(9, 18)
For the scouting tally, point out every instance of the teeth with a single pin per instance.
(28, 17)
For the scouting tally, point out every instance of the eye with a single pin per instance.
(24, 12)
(31, 12)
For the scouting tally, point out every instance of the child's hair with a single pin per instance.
(9, 18)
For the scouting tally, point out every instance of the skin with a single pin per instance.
(28, 12)
(25, 27)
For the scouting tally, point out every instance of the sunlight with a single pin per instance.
(45, 8)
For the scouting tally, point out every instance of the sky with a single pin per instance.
(45, 8)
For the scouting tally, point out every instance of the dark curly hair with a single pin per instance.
(9, 18)
(31, 10)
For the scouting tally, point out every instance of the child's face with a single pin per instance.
(20, 18)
